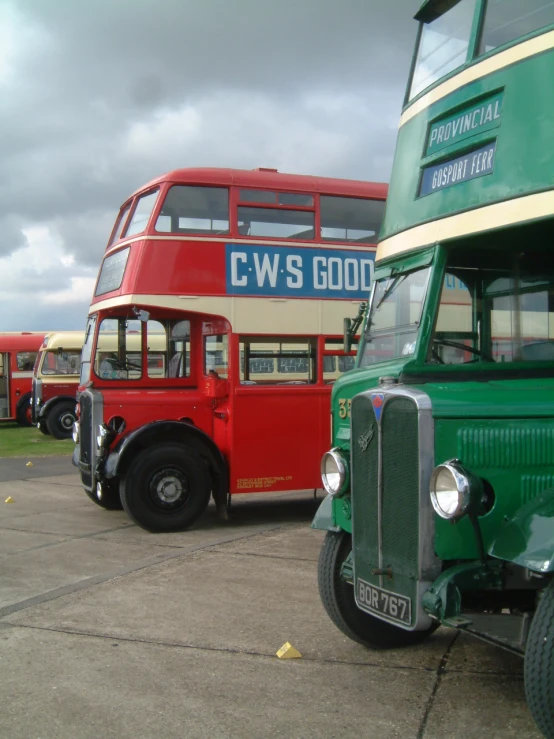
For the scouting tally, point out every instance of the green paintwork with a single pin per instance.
(525, 140)
(513, 453)
(324, 516)
(443, 599)
(528, 538)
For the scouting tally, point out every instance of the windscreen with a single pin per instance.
(394, 316)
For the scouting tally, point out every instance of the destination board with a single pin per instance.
(477, 163)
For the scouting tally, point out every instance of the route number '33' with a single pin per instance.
(344, 407)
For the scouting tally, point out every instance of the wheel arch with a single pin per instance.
(527, 539)
(20, 410)
(20, 401)
(52, 402)
(159, 432)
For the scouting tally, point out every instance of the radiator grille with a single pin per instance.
(391, 460)
(86, 435)
(400, 455)
(364, 478)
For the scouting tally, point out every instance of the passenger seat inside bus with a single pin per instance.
(539, 351)
(175, 368)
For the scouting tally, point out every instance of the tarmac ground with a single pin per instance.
(109, 631)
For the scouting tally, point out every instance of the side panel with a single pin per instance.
(279, 435)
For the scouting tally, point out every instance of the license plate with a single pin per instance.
(376, 600)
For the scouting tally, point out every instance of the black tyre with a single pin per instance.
(106, 495)
(24, 412)
(60, 420)
(166, 488)
(337, 597)
(42, 427)
(539, 664)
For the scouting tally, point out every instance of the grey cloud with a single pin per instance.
(309, 86)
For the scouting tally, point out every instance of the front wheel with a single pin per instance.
(539, 664)
(61, 419)
(166, 488)
(24, 414)
(106, 495)
(42, 427)
(338, 600)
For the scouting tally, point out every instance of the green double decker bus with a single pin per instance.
(440, 482)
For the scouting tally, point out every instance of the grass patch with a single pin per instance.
(18, 441)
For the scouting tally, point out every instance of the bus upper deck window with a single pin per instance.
(350, 219)
(141, 214)
(276, 223)
(191, 209)
(443, 45)
(120, 223)
(507, 20)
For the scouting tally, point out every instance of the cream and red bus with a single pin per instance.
(18, 352)
(55, 382)
(215, 335)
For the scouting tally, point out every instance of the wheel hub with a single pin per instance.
(169, 487)
(66, 421)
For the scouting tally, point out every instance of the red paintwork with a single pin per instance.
(273, 437)
(12, 344)
(53, 390)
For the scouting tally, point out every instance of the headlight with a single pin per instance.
(453, 489)
(334, 472)
(102, 438)
(76, 432)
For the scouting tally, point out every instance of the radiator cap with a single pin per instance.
(388, 380)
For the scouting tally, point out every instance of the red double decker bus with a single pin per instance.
(18, 352)
(214, 336)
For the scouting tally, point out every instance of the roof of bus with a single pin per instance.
(432, 9)
(65, 340)
(26, 341)
(270, 178)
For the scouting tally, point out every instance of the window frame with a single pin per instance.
(426, 15)
(145, 380)
(165, 189)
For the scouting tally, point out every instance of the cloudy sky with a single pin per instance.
(99, 96)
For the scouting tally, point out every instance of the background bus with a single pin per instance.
(18, 352)
(55, 382)
(246, 276)
(450, 409)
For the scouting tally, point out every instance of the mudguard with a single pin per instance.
(324, 518)
(177, 431)
(527, 539)
(45, 409)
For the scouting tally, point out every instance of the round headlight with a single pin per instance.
(334, 474)
(450, 490)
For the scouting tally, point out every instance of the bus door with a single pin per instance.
(4, 385)
(216, 378)
(280, 415)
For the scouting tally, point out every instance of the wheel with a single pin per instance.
(106, 495)
(24, 412)
(42, 427)
(539, 664)
(337, 597)
(166, 488)
(61, 419)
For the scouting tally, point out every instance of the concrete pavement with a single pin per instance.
(107, 630)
